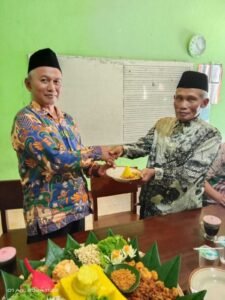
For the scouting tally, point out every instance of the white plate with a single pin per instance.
(116, 173)
(210, 279)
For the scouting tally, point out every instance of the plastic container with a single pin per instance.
(208, 256)
(220, 242)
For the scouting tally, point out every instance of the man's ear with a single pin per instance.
(204, 103)
(174, 98)
(27, 83)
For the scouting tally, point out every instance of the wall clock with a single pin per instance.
(196, 45)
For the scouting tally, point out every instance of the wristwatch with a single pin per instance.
(158, 173)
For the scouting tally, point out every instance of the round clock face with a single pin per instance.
(197, 45)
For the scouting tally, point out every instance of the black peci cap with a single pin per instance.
(193, 80)
(43, 58)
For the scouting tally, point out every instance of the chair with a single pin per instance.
(105, 186)
(11, 197)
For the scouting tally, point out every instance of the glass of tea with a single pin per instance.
(211, 226)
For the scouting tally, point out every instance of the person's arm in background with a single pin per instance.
(216, 171)
(217, 168)
(214, 194)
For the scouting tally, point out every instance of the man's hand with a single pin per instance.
(97, 170)
(147, 174)
(116, 151)
(102, 169)
(86, 162)
(107, 156)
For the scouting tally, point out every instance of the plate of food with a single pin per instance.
(210, 279)
(124, 174)
(98, 270)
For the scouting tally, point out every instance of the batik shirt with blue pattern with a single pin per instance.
(52, 162)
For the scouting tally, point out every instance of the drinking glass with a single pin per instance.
(211, 226)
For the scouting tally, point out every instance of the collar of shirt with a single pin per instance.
(181, 126)
(41, 110)
(188, 123)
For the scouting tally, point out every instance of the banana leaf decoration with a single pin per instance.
(151, 259)
(91, 239)
(11, 283)
(71, 243)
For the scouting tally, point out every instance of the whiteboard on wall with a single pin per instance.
(92, 93)
(117, 101)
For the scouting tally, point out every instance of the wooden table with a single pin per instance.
(176, 234)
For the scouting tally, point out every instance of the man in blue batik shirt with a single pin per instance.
(52, 160)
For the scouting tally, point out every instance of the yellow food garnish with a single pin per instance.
(90, 279)
(129, 173)
(86, 281)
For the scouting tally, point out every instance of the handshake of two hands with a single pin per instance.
(110, 154)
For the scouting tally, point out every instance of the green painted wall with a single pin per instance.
(133, 29)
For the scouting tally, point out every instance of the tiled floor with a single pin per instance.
(106, 206)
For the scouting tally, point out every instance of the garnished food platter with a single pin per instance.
(109, 269)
